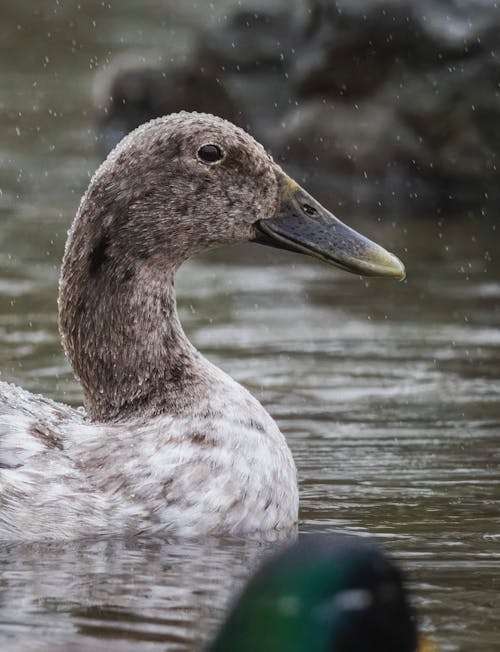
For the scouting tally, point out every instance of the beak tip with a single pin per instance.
(399, 269)
(386, 264)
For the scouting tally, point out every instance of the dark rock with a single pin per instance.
(131, 92)
(254, 38)
(390, 103)
(405, 94)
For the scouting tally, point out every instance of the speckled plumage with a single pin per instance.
(193, 475)
(169, 443)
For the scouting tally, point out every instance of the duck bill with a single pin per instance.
(303, 225)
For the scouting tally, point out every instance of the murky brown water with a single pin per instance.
(388, 393)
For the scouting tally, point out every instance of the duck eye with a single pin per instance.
(210, 153)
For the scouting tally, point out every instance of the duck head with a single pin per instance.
(325, 593)
(175, 187)
(189, 182)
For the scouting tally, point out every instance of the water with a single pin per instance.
(387, 392)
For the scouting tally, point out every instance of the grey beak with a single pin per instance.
(301, 224)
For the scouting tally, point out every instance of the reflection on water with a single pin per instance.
(387, 392)
(110, 594)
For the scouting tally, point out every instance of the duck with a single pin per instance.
(166, 443)
(323, 593)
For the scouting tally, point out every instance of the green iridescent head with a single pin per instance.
(325, 593)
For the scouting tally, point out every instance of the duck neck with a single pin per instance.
(126, 344)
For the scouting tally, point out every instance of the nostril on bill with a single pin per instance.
(309, 210)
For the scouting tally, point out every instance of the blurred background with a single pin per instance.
(388, 393)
